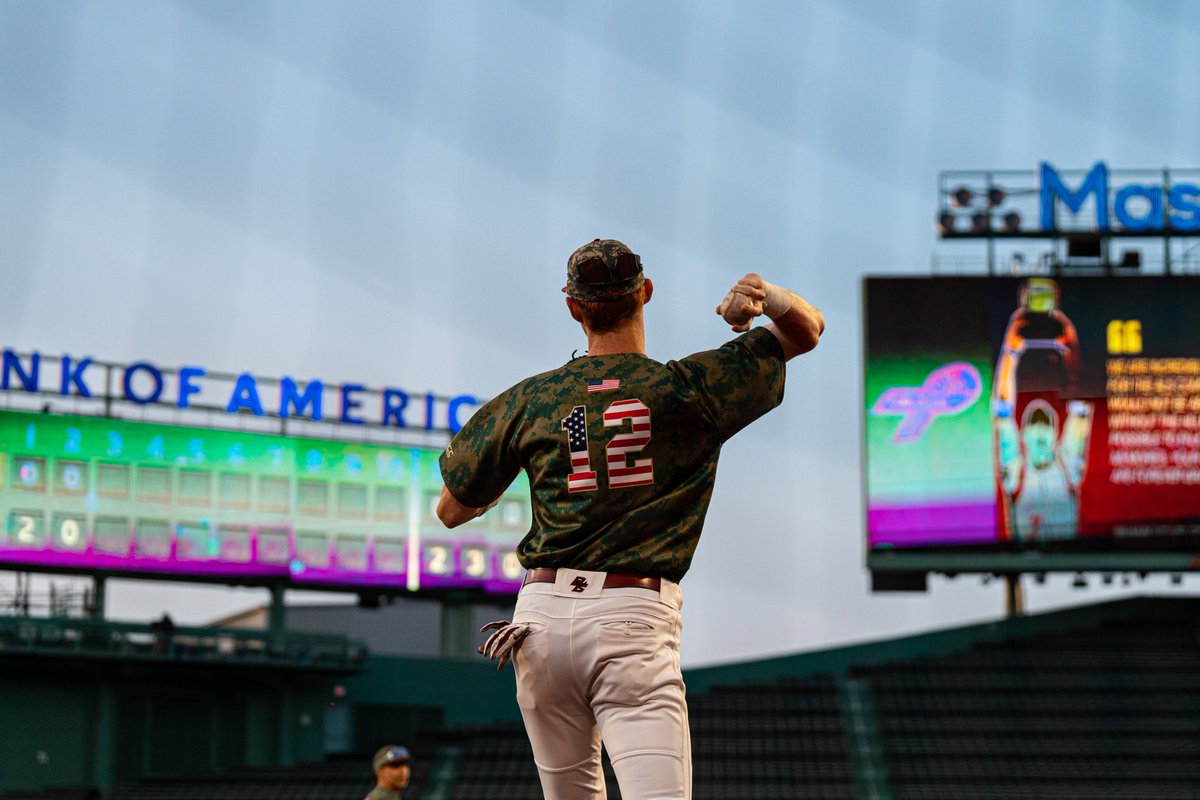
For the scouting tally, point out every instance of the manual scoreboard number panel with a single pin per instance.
(79, 493)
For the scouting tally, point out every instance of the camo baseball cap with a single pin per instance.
(602, 270)
(390, 754)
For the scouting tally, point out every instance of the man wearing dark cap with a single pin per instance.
(621, 452)
(391, 765)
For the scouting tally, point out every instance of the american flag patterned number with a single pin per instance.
(621, 473)
(582, 477)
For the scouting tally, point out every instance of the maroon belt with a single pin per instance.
(612, 580)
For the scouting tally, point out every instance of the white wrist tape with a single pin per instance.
(778, 302)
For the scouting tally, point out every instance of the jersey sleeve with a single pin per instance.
(480, 461)
(738, 382)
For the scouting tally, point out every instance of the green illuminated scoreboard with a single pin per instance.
(92, 493)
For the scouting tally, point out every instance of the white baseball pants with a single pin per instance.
(604, 665)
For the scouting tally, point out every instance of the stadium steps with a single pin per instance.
(1107, 712)
(348, 777)
(758, 741)
(55, 793)
(1036, 791)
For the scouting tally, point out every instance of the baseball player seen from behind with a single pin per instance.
(621, 452)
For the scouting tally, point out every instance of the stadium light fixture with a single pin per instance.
(962, 197)
(946, 221)
(995, 196)
(1012, 222)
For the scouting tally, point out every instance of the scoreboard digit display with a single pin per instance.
(94, 493)
(1032, 413)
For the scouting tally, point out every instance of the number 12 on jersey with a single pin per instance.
(621, 473)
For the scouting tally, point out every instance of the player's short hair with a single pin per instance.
(608, 315)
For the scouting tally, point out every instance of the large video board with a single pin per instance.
(1026, 412)
(94, 493)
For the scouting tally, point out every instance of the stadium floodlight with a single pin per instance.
(981, 221)
(962, 197)
(946, 221)
(1012, 222)
(995, 196)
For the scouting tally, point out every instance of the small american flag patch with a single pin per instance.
(602, 384)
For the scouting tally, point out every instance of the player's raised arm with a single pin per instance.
(453, 513)
(796, 323)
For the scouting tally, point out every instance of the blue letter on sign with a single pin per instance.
(349, 403)
(186, 387)
(452, 410)
(29, 381)
(74, 376)
(394, 403)
(1185, 213)
(1153, 218)
(245, 395)
(1096, 184)
(289, 396)
(155, 375)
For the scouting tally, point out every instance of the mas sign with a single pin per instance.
(1130, 207)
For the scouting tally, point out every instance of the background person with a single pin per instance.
(392, 770)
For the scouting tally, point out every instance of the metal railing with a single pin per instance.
(134, 641)
(1045, 263)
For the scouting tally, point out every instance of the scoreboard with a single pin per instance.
(82, 493)
(1043, 414)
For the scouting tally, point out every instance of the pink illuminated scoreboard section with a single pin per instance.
(82, 493)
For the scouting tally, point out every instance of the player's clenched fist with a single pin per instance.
(745, 301)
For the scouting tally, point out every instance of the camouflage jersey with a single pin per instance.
(621, 452)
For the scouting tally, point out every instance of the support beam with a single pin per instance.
(1014, 595)
(99, 595)
(276, 616)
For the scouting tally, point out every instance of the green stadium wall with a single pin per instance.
(75, 722)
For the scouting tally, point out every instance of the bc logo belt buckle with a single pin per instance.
(578, 583)
(581, 581)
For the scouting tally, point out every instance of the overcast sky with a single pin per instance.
(386, 193)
